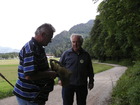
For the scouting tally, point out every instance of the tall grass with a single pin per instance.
(127, 91)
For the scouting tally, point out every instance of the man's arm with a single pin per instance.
(40, 75)
(91, 83)
(91, 75)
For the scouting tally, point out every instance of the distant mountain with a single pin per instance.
(61, 41)
(7, 50)
(83, 28)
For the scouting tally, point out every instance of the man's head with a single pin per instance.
(44, 34)
(77, 41)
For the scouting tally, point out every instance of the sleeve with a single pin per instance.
(62, 59)
(91, 71)
(29, 63)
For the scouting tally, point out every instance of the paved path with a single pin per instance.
(99, 95)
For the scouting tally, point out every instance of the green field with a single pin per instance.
(9, 69)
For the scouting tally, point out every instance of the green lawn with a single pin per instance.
(9, 71)
(8, 68)
(100, 67)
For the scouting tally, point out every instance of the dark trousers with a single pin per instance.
(68, 94)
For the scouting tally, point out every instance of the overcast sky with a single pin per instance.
(20, 18)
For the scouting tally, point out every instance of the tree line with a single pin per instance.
(8, 55)
(116, 31)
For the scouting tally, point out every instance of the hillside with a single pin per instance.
(61, 42)
(7, 50)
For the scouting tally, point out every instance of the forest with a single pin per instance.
(116, 31)
(115, 37)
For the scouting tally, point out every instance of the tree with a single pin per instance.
(120, 22)
(95, 43)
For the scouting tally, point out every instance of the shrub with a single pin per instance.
(127, 90)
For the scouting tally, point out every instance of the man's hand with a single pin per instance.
(40, 75)
(59, 82)
(52, 74)
(90, 86)
(91, 83)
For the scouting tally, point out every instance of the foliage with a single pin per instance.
(94, 44)
(115, 34)
(83, 28)
(127, 90)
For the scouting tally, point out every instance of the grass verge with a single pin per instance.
(127, 90)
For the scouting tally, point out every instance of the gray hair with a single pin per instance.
(44, 28)
(79, 35)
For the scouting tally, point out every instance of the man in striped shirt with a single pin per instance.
(35, 79)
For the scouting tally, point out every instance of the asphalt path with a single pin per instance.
(99, 95)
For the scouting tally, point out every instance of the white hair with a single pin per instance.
(46, 27)
(79, 35)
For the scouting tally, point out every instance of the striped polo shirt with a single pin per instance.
(32, 59)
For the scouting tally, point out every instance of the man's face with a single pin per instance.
(76, 43)
(46, 39)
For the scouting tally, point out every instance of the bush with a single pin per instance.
(128, 87)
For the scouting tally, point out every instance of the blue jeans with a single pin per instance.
(68, 94)
(25, 102)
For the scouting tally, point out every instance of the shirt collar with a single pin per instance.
(36, 43)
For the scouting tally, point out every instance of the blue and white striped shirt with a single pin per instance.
(32, 59)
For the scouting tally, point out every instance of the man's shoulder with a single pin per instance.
(68, 51)
(85, 52)
(28, 46)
